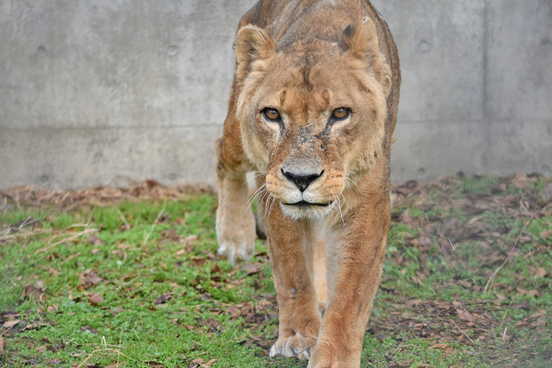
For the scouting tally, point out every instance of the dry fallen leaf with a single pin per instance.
(520, 181)
(182, 251)
(449, 350)
(95, 299)
(53, 309)
(533, 293)
(155, 364)
(9, 324)
(438, 346)
(163, 298)
(546, 234)
(196, 363)
(465, 315)
(209, 363)
(41, 349)
(540, 313)
(1, 344)
(541, 272)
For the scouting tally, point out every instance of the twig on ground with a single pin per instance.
(127, 226)
(504, 334)
(459, 329)
(120, 344)
(493, 276)
(76, 236)
(136, 334)
(103, 347)
(155, 222)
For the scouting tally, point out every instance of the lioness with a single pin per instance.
(312, 110)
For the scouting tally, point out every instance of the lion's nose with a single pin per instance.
(301, 180)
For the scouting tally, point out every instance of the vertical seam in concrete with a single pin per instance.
(485, 61)
(486, 116)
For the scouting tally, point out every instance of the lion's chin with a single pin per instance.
(306, 210)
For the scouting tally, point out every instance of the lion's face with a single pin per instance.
(312, 122)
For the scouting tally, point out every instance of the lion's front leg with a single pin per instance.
(354, 268)
(235, 221)
(299, 317)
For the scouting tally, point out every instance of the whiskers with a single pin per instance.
(350, 182)
(260, 192)
(258, 174)
(273, 203)
(264, 198)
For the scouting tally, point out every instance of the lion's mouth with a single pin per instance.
(306, 204)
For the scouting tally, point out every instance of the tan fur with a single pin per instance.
(305, 59)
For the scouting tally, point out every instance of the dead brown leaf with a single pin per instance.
(89, 329)
(546, 234)
(449, 351)
(520, 181)
(465, 284)
(538, 314)
(216, 269)
(465, 315)
(252, 268)
(199, 261)
(195, 363)
(1, 344)
(163, 298)
(95, 299)
(41, 349)
(53, 309)
(94, 240)
(190, 239)
(155, 364)
(209, 363)
(183, 251)
(31, 291)
(9, 324)
(88, 279)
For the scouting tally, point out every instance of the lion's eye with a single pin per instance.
(341, 113)
(271, 114)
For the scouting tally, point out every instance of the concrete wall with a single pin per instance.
(108, 91)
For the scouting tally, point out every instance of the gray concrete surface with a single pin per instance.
(107, 92)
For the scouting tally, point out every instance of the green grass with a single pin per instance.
(139, 282)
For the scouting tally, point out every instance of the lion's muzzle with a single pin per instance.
(301, 179)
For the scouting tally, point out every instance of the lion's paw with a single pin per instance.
(236, 239)
(297, 346)
(236, 252)
(331, 356)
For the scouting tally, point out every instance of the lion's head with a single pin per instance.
(312, 113)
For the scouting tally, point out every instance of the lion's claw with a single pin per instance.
(294, 346)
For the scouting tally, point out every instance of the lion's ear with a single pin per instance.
(361, 41)
(252, 43)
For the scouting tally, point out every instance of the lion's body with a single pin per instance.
(312, 109)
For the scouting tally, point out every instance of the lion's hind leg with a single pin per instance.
(235, 222)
